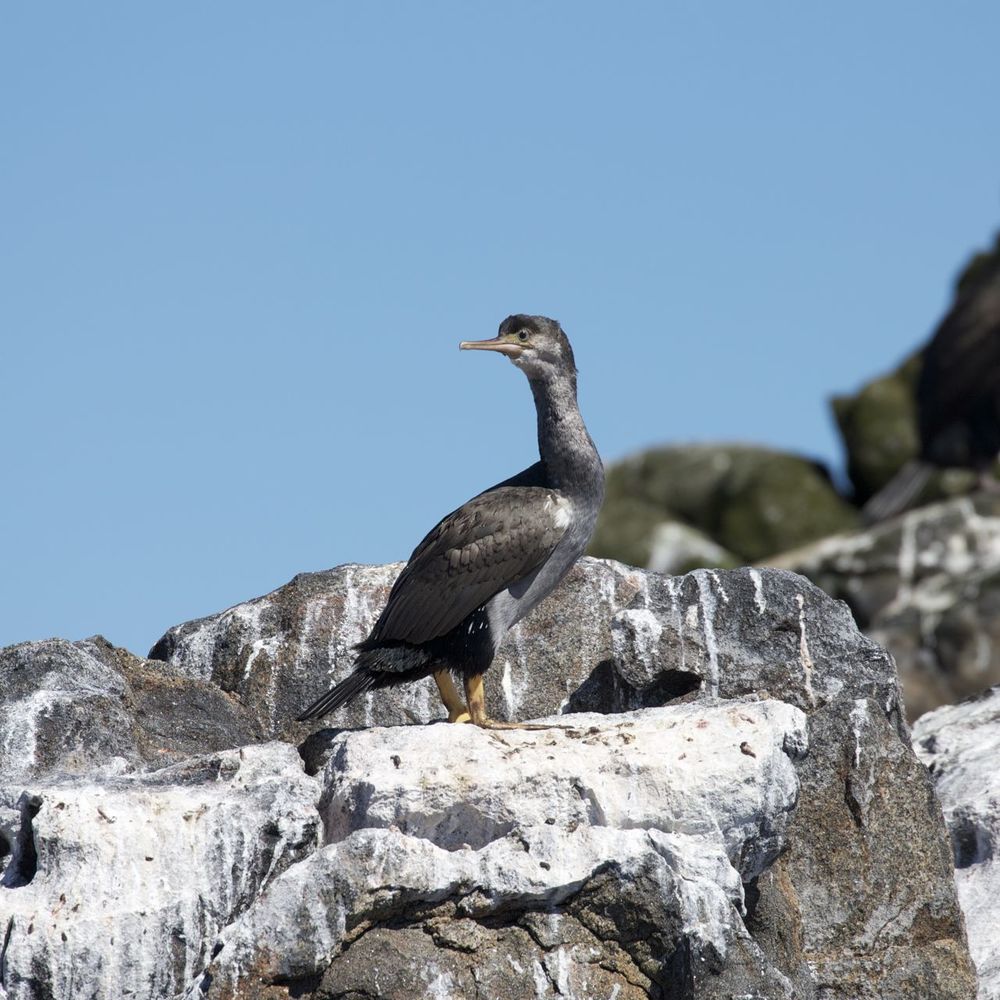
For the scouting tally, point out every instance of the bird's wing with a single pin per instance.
(478, 550)
(962, 361)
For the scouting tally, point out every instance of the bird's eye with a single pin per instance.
(522, 335)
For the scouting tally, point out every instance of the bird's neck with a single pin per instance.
(571, 460)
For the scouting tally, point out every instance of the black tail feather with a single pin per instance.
(377, 665)
(347, 690)
(898, 493)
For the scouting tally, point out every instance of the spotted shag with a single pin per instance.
(486, 565)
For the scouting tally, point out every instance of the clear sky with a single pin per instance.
(240, 241)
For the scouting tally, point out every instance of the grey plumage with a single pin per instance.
(496, 538)
(487, 564)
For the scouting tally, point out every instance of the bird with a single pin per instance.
(484, 566)
(957, 395)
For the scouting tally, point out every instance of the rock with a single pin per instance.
(871, 901)
(279, 652)
(743, 840)
(927, 587)
(747, 631)
(678, 769)
(748, 502)
(87, 707)
(739, 629)
(128, 880)
(676, 548)
(878, 423)
(517, 835)
(960, 745)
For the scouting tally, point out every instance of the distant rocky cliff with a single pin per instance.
(878, 423)
(733, 810)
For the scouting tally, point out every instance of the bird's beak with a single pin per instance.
(511, 348)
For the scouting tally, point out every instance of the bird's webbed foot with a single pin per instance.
(476, 697)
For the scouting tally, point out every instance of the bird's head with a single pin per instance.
(536, 344)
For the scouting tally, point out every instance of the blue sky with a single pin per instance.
(239, 243)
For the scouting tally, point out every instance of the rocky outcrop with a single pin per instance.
(960, 745)
(88, 708)
(119, 887)
(727, 815)
(610, 639)
(677, 508)
(279, 652)
(926, 586)
(878, 423)
(608, 855)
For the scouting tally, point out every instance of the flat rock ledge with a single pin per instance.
(734, 809)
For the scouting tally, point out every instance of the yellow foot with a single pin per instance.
(476, 698)
(457, 712)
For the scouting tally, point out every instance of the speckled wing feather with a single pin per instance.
(478, 550)
(962, 362)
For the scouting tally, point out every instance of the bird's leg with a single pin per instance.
(475, 694)
(457, 712)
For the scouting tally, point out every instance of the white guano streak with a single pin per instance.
(804, 656)
(708, 607)
(758, 590)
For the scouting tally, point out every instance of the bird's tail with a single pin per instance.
(346, 691)
(377, 665)
(898, 493)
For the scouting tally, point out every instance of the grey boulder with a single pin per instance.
(88, 708)
(588, 647)
(926, 586)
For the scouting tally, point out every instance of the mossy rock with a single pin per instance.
(753, 502)
(879, 427)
